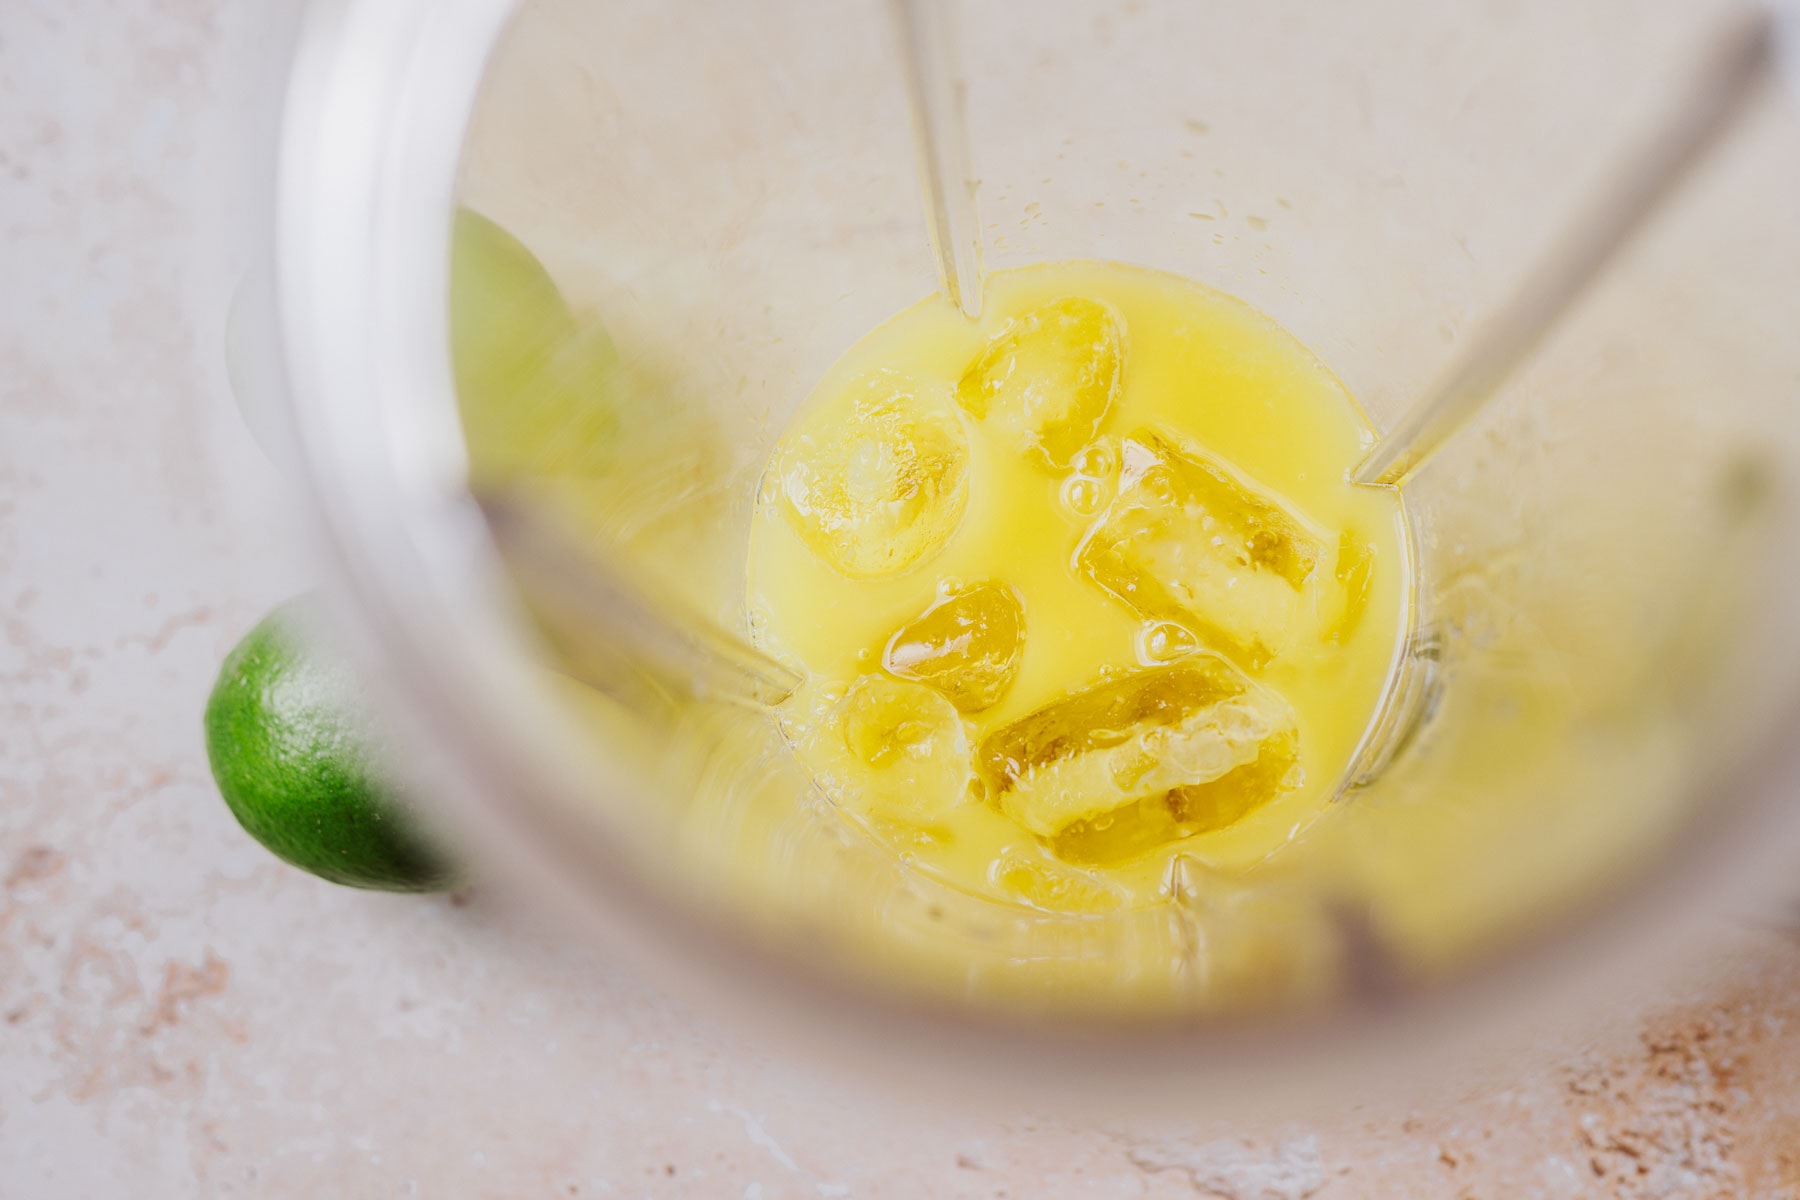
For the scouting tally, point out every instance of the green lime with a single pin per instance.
(506, 314)
(536, 390)
(292, 749)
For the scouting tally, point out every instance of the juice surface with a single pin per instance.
(1026, 602)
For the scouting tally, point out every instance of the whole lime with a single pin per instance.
(290, 739)
(507, 316)
(536, 389)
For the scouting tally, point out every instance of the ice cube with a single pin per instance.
(1355, 573)
(895, 750)
(1189, 540)
(877, 479)
(1184, 811)
(1026, 873)
(1047, 381)
(1197, 739)
(967, 645)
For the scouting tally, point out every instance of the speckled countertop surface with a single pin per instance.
(181, 1016)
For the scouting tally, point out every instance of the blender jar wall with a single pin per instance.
(728, 190)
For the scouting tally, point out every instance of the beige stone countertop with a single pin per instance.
(181, 1016)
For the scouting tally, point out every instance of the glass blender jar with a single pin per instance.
(1599, 661)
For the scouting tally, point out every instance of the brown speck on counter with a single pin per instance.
(182, 985)
(34, 865)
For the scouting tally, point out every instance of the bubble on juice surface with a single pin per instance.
(1098, 461)
(1163, 642)
(1047, 381)
(876, 479)
(1094, 477)
(967, 645)
(1187, 539)
(1174, 750)
(1084, 496)
(1026, 873)
(895, 750)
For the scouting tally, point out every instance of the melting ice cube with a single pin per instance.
(967, 645)
(1188, 540)
(1027, 873)
(1048, 380)
(1184, 811)
(1355, 573)
(1174, 750)
(877, 479)
(895, 749)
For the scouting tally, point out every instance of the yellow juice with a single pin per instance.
(1081, 586)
